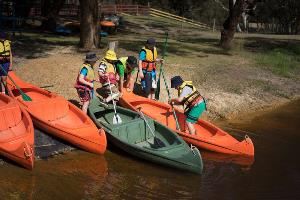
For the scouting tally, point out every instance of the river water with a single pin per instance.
(274, 174)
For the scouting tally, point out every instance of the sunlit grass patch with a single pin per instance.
(279, 62)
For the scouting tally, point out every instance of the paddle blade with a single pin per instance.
(25, 97)
(117, 119)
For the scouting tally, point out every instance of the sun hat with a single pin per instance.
(110, 55)
(91, 57)
(151, 41)
(131, 60)
(176, 81)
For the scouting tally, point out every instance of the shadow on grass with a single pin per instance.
(265, 45)
(36, 45)
(178, 49)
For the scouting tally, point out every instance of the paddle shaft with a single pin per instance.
(161, 66)
(114, 104)
(24, 96)
(169, 97)
(144, 118)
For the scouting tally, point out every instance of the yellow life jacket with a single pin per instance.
(149, 62)
(111, 70)
(5, 48)
(90, 77)
(192, 99)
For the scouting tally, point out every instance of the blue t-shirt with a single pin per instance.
(84, 71)
(142, 55)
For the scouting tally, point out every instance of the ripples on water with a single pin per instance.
(79, 175)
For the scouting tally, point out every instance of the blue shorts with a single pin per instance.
(147, 81)
(5, 66)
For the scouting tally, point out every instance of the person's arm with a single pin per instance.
(120, 72)
(130, 82)
(176, 101)
(141, 75)
(81, 80)
(160, 60)
(142, 57)
(185, 91)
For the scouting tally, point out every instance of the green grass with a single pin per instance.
(280, 56)
(279, 62)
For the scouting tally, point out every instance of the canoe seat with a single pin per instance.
(49, 110)
(135, 131)
(10, 117)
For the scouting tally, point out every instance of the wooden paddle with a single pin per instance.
(25, 97)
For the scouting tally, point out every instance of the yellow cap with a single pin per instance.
(110, 55)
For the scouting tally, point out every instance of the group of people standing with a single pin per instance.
(116, 74)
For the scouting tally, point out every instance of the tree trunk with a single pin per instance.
(230, 24)
(89, 24)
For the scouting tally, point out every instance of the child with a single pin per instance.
(85, 80)
(108, 77)
(5, 60)
(192, 100)
(147, 68)
(127, 69)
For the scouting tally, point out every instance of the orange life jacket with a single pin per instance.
(149, 62)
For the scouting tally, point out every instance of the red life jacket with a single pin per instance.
(90, 77)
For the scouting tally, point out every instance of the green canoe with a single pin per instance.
(134, 136)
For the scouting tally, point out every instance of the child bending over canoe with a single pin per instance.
(85, 80)
(190, 98)
(127, 69)
(108, 77)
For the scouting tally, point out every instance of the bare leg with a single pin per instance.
(85, 106)
(191, 128)
(3, 81)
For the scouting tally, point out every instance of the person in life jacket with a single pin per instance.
(85, 80)
(108, 76)
(5, 60)
(190, 98)
(127, 69)
(147, 68)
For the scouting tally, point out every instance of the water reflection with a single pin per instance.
(70, 175)
(274, 174)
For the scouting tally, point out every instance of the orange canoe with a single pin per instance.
(107, 23)
(16, 133)
(57, 116)
(208, 135)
